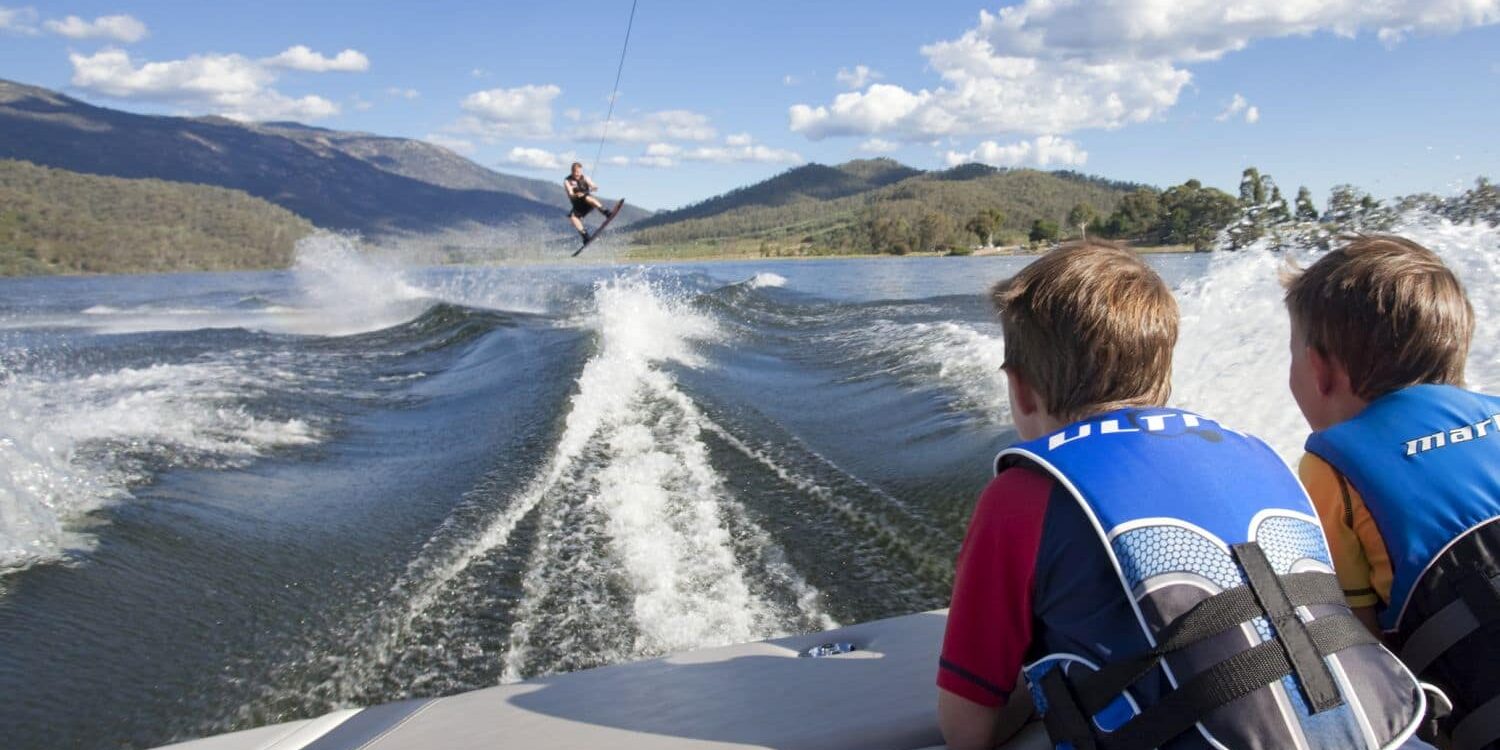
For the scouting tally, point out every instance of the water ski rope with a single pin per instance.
(615, 94)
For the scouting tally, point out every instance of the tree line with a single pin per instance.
(1205, 217)
(53, 220)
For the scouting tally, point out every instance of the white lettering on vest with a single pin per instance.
(1453, 436)
(1061, 438)
(1147, 423)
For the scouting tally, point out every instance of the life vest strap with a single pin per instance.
(1208, 618)
(1291, 632)
(1215, 687)
(1445, 628)
(1071, 701)
(1480, 728)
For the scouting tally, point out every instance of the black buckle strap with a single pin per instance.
(1482, 594)
(1208, 618)
(1227, 681)
(1298, 648)
(1313, 675)
(1064, 719)
(1451, 624)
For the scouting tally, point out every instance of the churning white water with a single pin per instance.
(1233, 351)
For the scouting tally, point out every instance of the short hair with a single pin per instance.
(577, 165)
(1385, 308)
(1091, 327)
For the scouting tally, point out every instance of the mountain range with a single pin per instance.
(337, 180)
(878, 205)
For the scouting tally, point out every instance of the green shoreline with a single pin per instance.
(699, 253)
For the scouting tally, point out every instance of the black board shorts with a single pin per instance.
(581, 208)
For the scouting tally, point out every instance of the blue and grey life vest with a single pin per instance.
(1426, 460)
(1223, 561)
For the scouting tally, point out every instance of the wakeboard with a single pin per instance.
(600, 229)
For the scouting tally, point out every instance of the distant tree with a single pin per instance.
(1252, 190)
(1080, 216)
(1421, 203)
(934, 230)
(985, 224)
(1305, 211)
(1043, 230)
(1139, 213)
(1193, 214)
(1352, 209)
(1479, 203)
(1277, 211)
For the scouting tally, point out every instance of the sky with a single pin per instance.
(1397, 96)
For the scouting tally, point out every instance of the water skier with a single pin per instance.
(579, 188)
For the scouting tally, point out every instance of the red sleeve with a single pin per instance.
(989, 620)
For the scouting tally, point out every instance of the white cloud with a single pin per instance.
(738, 148)
(1042, 151)
(536, 158)
(1055, 66)
(302, 58)
(790, 80)
(456, 145)
(573, 114)
(745, 154)
(655, 162)
(479, 73)
(400, 93)
(878, 146)
(524, 111)
(230, 85)
(667, 125)
(120, 28)
(857, 78)
(1239, 107)
(18, 20)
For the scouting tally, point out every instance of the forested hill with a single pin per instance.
(336, 180)
(809, 182)
(882, 206)
(55, 221)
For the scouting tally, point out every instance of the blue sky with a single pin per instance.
(1396, 98)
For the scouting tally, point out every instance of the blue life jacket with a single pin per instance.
(1426, 460)
(1220, 554)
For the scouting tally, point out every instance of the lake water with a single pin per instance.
(234, 499)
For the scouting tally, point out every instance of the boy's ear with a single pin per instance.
(1328, 373)
(1024, 398)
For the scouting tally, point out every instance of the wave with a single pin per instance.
(72, 444)
(1233, 351)
(339, 289)
(766, 279)
(630, 516)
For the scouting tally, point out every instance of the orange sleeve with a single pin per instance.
(1359, 554)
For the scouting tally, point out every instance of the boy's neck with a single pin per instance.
(1337, 407)
(1043, 422)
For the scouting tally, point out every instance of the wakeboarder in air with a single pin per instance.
(579, 188)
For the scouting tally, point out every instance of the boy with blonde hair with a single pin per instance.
(1155, 579)
(1404, 465)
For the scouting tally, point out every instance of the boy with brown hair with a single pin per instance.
(1140, 567)
(1404, 465)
